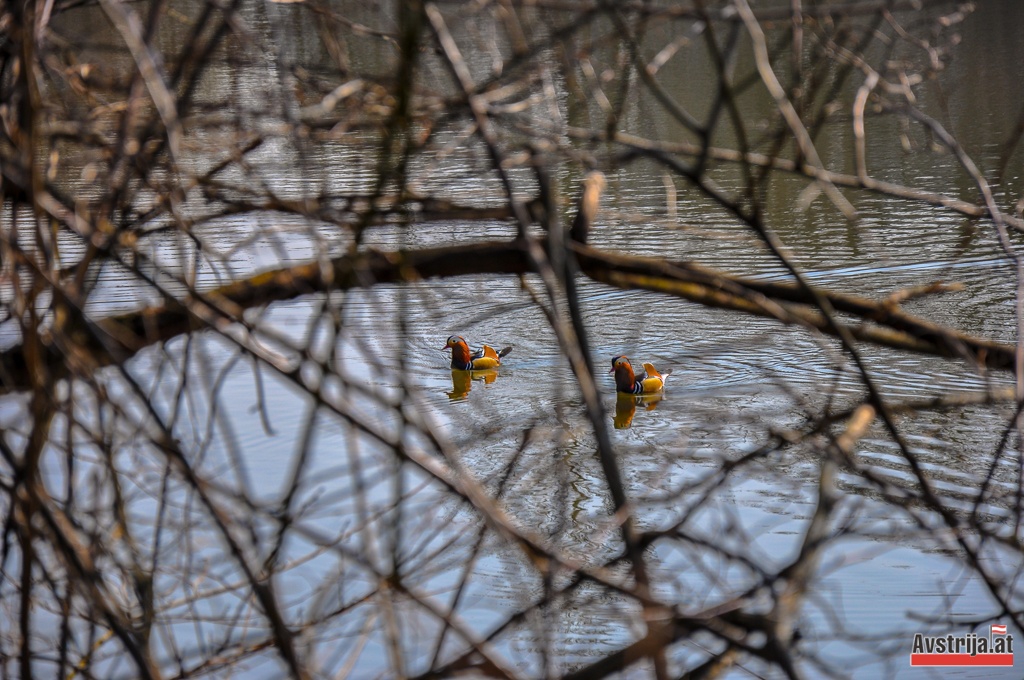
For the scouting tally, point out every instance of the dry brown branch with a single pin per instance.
(233, 236)
(116, 338)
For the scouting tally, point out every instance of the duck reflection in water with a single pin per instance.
(625, 408)
(462, 381)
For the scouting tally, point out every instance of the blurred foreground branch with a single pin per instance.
(297, 192)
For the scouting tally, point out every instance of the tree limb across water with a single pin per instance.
(118, 337)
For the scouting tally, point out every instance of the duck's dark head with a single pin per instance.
(623, 371)
(461, 356)
(453, 341)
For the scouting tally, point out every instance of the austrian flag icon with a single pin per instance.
(969, 649)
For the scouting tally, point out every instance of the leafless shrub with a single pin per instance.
(172, 170)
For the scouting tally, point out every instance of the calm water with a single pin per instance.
(735, 380)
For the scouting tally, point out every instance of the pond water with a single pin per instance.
(522, 432)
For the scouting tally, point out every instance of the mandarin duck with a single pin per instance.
(650, 381)
(465, 360)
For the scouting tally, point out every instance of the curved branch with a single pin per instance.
(115, 339)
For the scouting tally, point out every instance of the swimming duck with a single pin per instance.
(649, 381)
(465, 360)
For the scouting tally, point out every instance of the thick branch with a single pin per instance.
(119, 337)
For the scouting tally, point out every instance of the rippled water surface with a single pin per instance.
(735, 382)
